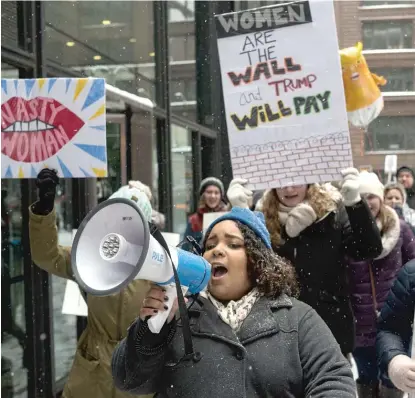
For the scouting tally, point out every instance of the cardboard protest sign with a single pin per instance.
(208, 218)
(73, 301)
(284, 97)
(55, 123)
(171, 238)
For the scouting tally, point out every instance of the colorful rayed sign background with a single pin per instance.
(283, 91)
(55, 123)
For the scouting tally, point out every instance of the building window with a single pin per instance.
(89, 34)
(241, 5)
(182, 10)
(182, 175)
(387, 2)
(183, 90)
(391, 133)
(378, 35)
(9, 18)
(182, 48)
(399, 79)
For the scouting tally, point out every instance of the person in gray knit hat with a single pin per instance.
(212, 199)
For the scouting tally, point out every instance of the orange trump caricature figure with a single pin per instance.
(364, 99)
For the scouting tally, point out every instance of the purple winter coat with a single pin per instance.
(398, 248)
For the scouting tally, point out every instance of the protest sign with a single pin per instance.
(208, 218)
(54, 123)
(171, 238)
(73, 301)
(283, 91)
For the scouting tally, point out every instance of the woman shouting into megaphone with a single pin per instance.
(109, 316)
(251, 336)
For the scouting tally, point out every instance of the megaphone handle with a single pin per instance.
(156, 322)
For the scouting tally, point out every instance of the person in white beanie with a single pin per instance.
(315, 228)
(108, 317)
(370, 281)
(395, 331)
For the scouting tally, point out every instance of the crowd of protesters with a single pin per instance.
(304, 278)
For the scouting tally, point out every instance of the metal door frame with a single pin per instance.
(125, 147)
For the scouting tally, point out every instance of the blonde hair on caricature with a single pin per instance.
(318, 198)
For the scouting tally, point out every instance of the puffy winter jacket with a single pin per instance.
(398, 248)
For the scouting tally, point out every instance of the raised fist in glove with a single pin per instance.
(401, 371)
(299, 218)
(350, 187)
(238, 195)
(46, 182)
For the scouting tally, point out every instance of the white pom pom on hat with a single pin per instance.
(142, 187)
(370, 184)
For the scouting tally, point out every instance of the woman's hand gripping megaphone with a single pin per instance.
(156, 302)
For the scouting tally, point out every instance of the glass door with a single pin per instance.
(14, 361)
(117, 158)
(182, 176)
(14, 355)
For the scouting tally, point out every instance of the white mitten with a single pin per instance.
(299, 218)
(350, 187)
(238, 195)
(401, 371)
(142, 187)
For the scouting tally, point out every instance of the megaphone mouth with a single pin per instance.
(102, 263)
(110, 246)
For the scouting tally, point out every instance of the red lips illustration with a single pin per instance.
(34, 130)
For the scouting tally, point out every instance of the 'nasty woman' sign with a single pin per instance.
(283, 92)
(55, 123)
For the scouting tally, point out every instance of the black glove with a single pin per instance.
(46, 182)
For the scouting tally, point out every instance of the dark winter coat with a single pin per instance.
(398, 248)
(319, 256)
(410, 194)
(283, 349)
(396, 318)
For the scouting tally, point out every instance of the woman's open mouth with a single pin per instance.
(34, 130)
(355, 76)
(218, 271)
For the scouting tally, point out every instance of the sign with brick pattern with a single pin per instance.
(284, 98)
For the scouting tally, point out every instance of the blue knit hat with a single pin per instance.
(254, 220)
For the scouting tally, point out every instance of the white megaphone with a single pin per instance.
(113, 246)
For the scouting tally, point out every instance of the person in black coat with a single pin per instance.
(316, 228)
(406, 177)
(395, 331)
(252, 338)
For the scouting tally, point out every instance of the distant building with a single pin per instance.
(387, 31)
